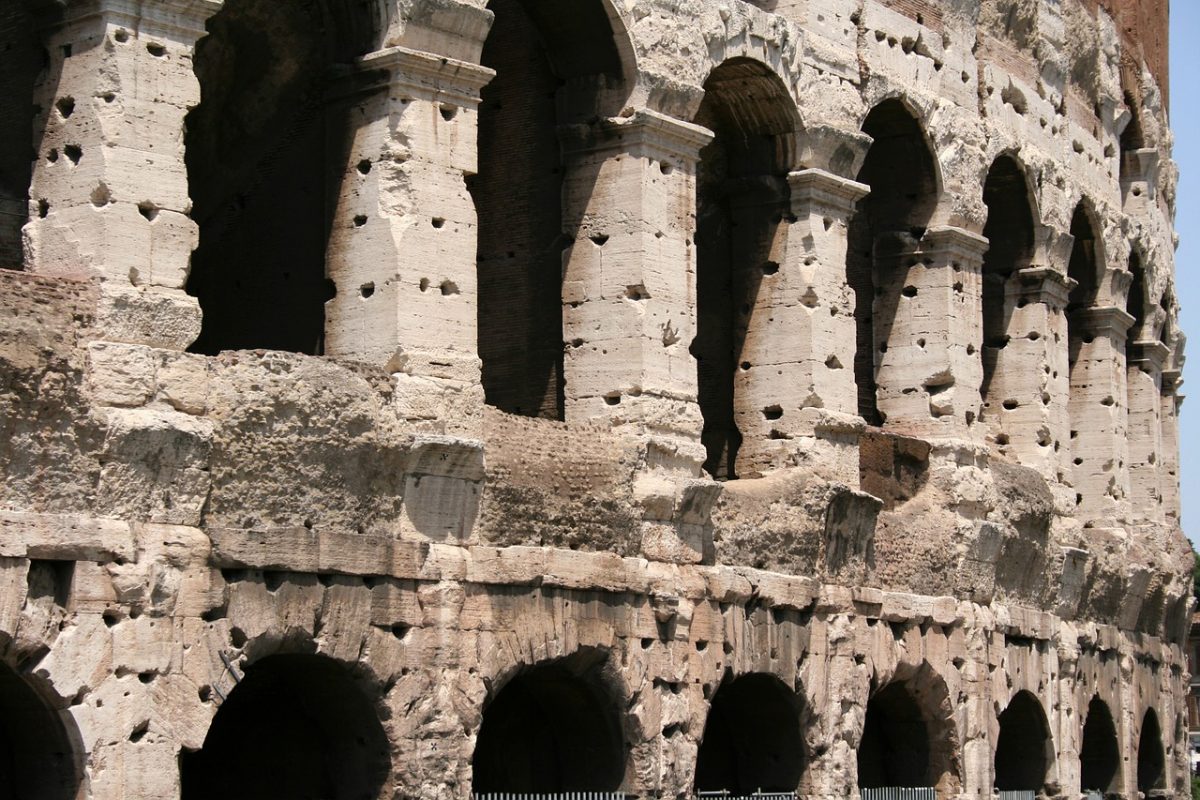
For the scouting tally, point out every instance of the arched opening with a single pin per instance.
(1151, 761)
(265, 159)
(752, 738)
(296, 726)
(900, 170)
(1135, 302)
(1024, 750)
(1099, 755)
(552, 69)
(37, 760)
(552, 728)
(1083, 269)
(895, 747)
(1009, 231)
(23, 58)
(1132, 138)
(741, 199)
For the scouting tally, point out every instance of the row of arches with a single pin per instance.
(298, 726)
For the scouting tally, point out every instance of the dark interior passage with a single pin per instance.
(1135, 301)
(37, 760)
(23, 58)
(518, 199)
(1082, 266)
(895, 744)
(296, 728)
(553, 728)
(1009, 231)
(1151, 761)
(752, 738)
(1099, 755)
(900, 170)
(263, 172)
(741, 197)
(1024, 749)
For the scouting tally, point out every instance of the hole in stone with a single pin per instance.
(148, 210)
(424, 284)
(833, 363)
(437, 222)
(1010, 404)
(448, 287)
(773, 412)
(909, 291)
(121, 36)
(73, 152)
(360, 220)
(770, 268)
(745, 365)
(101, 196)
(599, 239)
(65, 106)
(364, 166)
(138, 733)
(665, 168)
(399, 630)
(448, 112)
(612, 398)
(52, 156)
(43, 206)
(366, 290)
(157, 50)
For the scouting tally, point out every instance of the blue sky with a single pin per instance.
(1185, 121)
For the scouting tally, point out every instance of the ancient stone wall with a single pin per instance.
(853, 467)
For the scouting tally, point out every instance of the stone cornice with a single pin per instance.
(655, 134)
(1044, 285)
(179, 17)
(815, 191)
(1150, 352)
(1104, 321)
(457, 81)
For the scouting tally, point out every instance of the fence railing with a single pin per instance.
(899, 793)
(1018, 794)
(723, 795)
(550, 796)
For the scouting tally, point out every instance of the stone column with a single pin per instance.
(1027, 401)
(629, 288)
(800, 351)
(927, 362)
(1098, 444)
(629, 313)
(1171, 401)
(1145, 361)
(402, 245)
(109, 198)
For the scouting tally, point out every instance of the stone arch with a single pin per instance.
(1010, 233)
(753, 738)
(741, 199)
(553, 726)
(552, 70)
(1100, 750)
(264, 156)
(41, 751)
(1137, 300)
(902, 170)
(909, 737)
(295, 724)
(1087, 261)
(1024, 747)
(1151, 758)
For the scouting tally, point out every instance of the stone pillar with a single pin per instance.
(927, 362)
(800, 350)
(1145, 361)
(1171, 401)
(1098, 444)
(629, 313)
(1026, 403)
(109, 197)
(402, 245)
(629, 288)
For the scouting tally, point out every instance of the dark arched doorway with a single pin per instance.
(37, 759)
(741, 197)
(295, 727)
(552, 728)
(1100, 754)
(895, 747)
(1151, 761)
(752, 738)
(900, 169)
(265, 160)
(553, 69)
(1024, 749)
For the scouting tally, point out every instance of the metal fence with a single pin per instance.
(550, 796)
(899, 793)
(1018, 794)
(754, 796)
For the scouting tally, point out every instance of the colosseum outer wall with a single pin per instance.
(298, 497)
